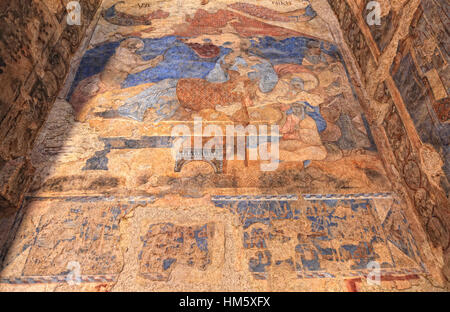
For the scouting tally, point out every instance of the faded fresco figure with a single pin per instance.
(300, 126)
(125, 61)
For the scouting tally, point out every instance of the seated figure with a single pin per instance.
(301, 125)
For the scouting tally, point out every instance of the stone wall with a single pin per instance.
(398, 71)
(402, 64)
(36, 45)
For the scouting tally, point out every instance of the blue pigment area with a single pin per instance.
(291, 50)
(180, 61)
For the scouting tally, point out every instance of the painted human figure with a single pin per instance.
(300, 130)
(227, 89)
(125, 61)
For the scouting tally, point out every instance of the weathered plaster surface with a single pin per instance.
(355, 184)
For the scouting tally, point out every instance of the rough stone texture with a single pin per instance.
(112, 208)
(407, 95)
(36, 46)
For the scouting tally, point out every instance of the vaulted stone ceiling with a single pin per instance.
(88, 180)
